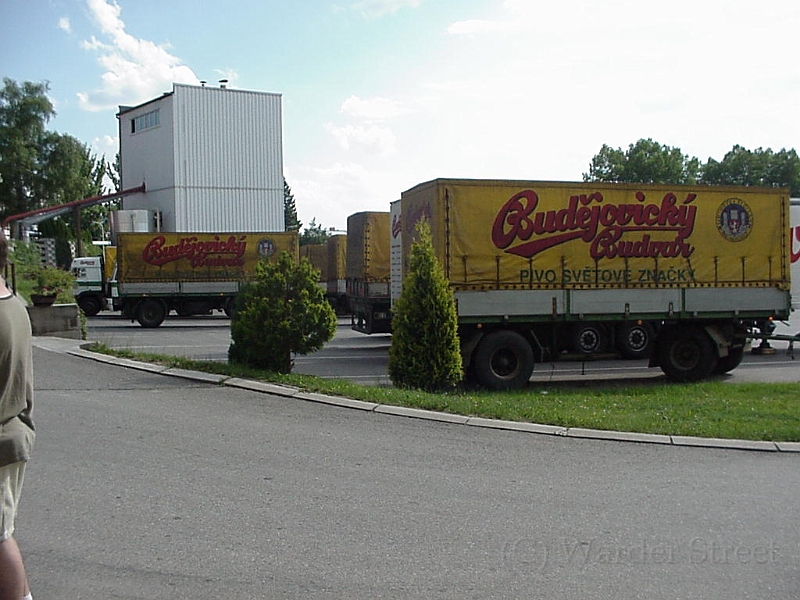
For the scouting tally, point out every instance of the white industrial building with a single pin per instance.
(211, 159)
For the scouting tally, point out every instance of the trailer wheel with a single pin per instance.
(725, 364)
(90, 305)
(503, 360)
(588, 338)
(151, 312)
(686, 354)
(634, 339)
(230, 307)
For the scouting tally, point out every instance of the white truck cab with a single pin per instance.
(89, 287)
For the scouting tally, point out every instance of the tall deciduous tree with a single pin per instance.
(38, 167)
(646, 161)
(761, 167)
(24, 113)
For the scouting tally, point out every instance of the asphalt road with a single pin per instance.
(364, 358)
(145, 486)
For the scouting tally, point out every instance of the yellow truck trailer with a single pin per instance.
(330, 258)
(368, 271)
(336, 280)
(190, 273)
(538, 268)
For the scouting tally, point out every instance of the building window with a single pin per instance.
(146, 121)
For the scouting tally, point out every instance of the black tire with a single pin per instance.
(588, 338)
(725, 364)
(634, 340)
(151, 313)
(503, 360)
(686, 353)
(90, 305)
(229, 306)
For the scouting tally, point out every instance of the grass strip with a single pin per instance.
(748, 411)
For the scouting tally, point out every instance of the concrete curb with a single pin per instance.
(417, 413)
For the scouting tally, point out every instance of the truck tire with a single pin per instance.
(635, 339)
(725, 364)
(503, 360)
(588, 338)
(230, 306)
(686, 353)
(89, 304)
(151, 312)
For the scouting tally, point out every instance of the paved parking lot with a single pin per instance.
(364, 358)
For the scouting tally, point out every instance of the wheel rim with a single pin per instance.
(588, 341)
(151, 313)
(637, 339)
(685, 355)
(505, 363)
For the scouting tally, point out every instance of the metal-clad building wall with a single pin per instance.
(219, 209)
(214, 162)
(228, 160)
(147, 156)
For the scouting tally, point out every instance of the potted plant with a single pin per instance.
(50, 284)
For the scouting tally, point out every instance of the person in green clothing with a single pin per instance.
(16, 428)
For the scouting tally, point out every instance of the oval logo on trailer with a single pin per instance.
(734, 220)
(266, 248)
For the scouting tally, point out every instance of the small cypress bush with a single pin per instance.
(425, 351)
(280, 312)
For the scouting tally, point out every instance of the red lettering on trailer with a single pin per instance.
(610, 230)
(795, 251)
(207, 253)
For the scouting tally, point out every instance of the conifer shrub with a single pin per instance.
(425, 351)
(282, 311)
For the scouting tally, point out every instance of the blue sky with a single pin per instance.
(379, 95)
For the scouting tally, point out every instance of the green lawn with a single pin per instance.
(752, 411)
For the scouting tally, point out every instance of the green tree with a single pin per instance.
(280, 312)
(313, 234)
(114, 170)
(40, 168)
(24, 112)
(760, 167)
(69, 171)
(292, 223)
(425, 351)
(646, 161)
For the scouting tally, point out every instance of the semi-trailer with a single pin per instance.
(190, 273)
(368, 271)
(537, 268)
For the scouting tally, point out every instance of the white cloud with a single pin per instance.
(373, 139)
(372, 109)
(94, 44)
(330, 194)
(372, 9)
(532, 90)
(106, 145)
(229, 74)
(480, 26)
(135, 69)
(367, 131)
(64, 24)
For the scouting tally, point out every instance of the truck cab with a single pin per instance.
(90, 284)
